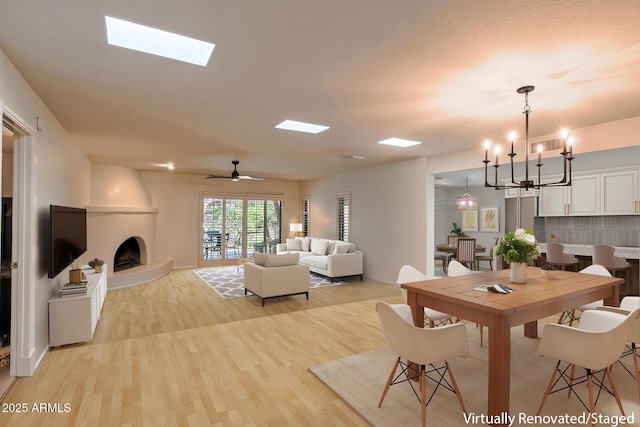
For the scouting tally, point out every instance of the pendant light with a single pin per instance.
(466, 201)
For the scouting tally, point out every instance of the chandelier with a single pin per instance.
(529, 182)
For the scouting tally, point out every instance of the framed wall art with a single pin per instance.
(490, 220)
(470, 220)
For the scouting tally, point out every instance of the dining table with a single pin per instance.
(452, 249)
(529, 302)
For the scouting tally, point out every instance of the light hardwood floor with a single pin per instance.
(173, 353)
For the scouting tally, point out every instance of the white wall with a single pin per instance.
(60, 176)
(177, 198)
(388, 214)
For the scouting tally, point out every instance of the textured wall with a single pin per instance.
(590, 230)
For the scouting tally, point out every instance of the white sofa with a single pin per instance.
(279, 275)
(330, 258)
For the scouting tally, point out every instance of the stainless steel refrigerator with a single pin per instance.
(520, 213)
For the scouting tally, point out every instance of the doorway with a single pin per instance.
(6, 379)
(235, 227)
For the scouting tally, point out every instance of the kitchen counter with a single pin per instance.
(587, 250)
(584, 253)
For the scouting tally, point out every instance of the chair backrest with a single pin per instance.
(420, 345)
(632, 303)
(615, 330)
(452, 239)
(466, 250)
(555, 254)
(598, 344)
(409, 274)
(457, 269)
(603, 255)
(596, 269)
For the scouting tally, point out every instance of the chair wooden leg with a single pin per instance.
(423, 395)
(388, 384)
(614, 389)
(637, 370)
(548, 389)
(592, 405)
(455, 387)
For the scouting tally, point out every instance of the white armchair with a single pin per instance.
(271, 282)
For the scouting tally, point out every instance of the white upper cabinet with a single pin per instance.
(581, 198)
(620, 193)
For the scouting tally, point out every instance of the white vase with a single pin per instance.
(518, 273)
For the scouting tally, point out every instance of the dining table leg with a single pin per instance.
(499, 368)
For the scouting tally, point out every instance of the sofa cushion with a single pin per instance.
(294, 244)
(319, 246)
(259, 258)
(341, 248)
(305, 243)
(316, 261)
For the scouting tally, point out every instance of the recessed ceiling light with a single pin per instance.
(157, 42)
(398, 142)
(301, 126)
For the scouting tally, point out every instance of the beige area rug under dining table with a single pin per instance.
(359, 381)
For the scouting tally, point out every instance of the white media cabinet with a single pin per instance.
(74, 319)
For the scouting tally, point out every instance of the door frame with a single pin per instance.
(22, 362)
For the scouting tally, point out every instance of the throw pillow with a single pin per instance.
(281, 260)
(294, 244)
(319, 246)
(341, 248)
(259, 258)
(305, 244)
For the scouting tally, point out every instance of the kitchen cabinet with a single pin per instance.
(510, 193)
(582, 198)
(620, 193)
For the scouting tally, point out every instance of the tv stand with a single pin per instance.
(74, 319)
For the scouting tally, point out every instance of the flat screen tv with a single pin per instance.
(68, 227)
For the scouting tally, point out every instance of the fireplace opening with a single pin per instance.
(127, 255)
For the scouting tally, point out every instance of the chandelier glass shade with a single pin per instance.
(466, 201)
(529, 182)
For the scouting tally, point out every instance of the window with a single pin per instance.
(344, 216)
(304, 214)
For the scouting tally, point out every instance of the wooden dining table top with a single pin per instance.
(533, 300)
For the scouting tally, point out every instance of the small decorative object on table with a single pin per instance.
(96, 264)
(520, 249)
(550, 271)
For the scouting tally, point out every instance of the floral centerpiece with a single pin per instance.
(520, 249)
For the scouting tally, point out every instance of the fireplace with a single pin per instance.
(128, 255)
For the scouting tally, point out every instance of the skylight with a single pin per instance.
(301, 126)
(398, 142)
(157, 42)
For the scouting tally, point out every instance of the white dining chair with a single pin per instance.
(409, 274)
(423, 347)
(594, 269)
(457, 269)
(595, 345)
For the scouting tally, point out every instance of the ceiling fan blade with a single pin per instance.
(254, 178)
(217, 176)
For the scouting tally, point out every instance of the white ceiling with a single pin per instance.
(441, 72)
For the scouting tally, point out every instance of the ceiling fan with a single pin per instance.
(235, 175)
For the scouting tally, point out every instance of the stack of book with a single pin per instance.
(74, 289)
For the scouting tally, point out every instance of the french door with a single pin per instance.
(236, 227)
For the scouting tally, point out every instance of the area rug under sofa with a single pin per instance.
(228, 282)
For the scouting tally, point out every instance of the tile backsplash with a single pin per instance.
(590, 230)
